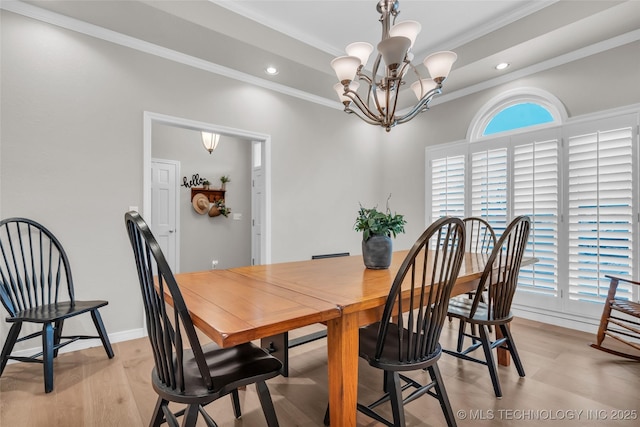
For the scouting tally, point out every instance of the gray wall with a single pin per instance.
(71, 148)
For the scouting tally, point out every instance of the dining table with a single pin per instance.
(248, 303)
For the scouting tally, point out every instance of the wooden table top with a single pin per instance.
(232, 309)
(346, 282)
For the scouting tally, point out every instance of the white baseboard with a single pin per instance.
(580, 323)
(82, 344)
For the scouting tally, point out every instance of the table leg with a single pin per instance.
(342, 343)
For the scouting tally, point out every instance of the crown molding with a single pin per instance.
(98, 32)
(101, 33)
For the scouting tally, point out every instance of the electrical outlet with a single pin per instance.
(214, 264)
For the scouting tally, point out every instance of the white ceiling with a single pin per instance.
(301, 37)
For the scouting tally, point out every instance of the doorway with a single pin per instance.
(261, 210)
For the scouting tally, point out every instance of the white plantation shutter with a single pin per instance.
(535, 194)
(489, 187)
(600, 212)
(580, 185)
(447, 186)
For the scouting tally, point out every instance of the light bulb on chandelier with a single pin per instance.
(378, 107)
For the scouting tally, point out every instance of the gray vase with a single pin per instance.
(376, 252)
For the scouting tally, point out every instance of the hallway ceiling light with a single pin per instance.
(502, 66)
(395, 50)
(210, 141)
(271, 70)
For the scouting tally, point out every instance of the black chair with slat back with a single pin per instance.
(36, 286)
(479, 238)
(186, 372)
(498, 282)
(410, 342)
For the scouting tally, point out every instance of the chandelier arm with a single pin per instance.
(363, 76)
(355, 98)
(361, 117)
(374, 85)
(391, 112)
(370, 83)
(420, 106)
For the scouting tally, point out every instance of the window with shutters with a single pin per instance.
(447, 176)
(601, 206)
(578, 183)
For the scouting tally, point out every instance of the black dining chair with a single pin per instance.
(397, 343)
(36, 286)
(186, 372)
(479, 238)
(491, 304)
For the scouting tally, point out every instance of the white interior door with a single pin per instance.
(164, 208)
(257, 201)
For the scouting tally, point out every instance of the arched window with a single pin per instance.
(516, 111)
(516, 117)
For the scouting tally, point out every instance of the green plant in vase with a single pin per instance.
(377, 229)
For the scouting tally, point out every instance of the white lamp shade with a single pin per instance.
(394, 50)
(439, 64)
(210, 141)
(408, 29)
(420, 91)
(345, 67)
(360, 50)
(339, 88)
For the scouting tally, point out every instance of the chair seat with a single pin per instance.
(52, 312)
(460, 307)
(389, 358)
(628, 307)
(230, 368)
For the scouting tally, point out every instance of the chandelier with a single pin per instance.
(382, 92)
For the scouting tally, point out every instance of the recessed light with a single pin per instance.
(271, 70)
(502, 66)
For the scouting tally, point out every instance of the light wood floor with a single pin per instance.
(567, 383)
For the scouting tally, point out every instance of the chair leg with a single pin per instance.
(461, 330)
(57, 334)
(606, 312)
(512, 349)
(267, 404)
(12, 337)
(491, 363)
(102, 332)
(235, 401)
(395, 393)
(47, 356)
(158, 414)
(443, 398)
(190, 417)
